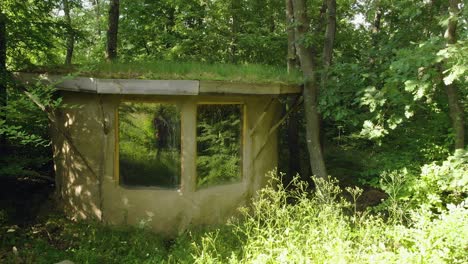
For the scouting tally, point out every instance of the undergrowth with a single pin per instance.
(322, 227)
(424, 220)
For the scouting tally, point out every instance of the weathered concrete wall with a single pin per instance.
(94, 191)
(77, 143)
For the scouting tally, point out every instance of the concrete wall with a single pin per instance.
(86, 164)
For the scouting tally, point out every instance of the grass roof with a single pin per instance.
(170, 70)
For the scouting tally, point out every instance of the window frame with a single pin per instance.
(180, 102)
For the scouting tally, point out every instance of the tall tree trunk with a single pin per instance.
(311, 89)
(455, 108)
(3, 49)
(327, 55)
(70, 34)
(375, 30)
(291, 59)
(112, 31)
(97, 8)
(329, 39)
(3, 73)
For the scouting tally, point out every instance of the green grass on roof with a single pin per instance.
(170, 70)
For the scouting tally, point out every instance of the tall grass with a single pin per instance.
(321, 227)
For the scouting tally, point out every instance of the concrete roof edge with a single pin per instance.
(156, 87)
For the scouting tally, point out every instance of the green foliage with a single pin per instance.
(213, 245)
(435, 186)
(319, 228)
(15, 125)
(456, 56)
(208, 31)
(32, 32)
(58, 239)
(28, 150)
(442, 184)
(388, 77)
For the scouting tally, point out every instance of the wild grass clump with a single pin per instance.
(300, 226)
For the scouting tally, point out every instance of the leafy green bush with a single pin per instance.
(443, 184)
(24, 128)
(436, 185)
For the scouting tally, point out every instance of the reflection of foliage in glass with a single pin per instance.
(219, 130)
(149, 144)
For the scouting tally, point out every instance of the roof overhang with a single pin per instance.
(156, 87)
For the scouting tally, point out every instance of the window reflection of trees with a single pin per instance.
(149, 144)
(219, 133)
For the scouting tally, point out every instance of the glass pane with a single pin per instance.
(219, 133)
(149, 144)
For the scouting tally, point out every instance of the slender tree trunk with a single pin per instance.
(327, 55)
(3, 49)
(319, 30)
(3, 73)
(329, 39)
(291, 59)
(112, 31)
(271, 17)
(455, 108)
(70, 34)
(98, 17)
(375, 29)
(311, 89)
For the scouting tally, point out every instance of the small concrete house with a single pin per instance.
(164, 153)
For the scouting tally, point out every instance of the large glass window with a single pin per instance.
(149, 144)
(219, 146)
